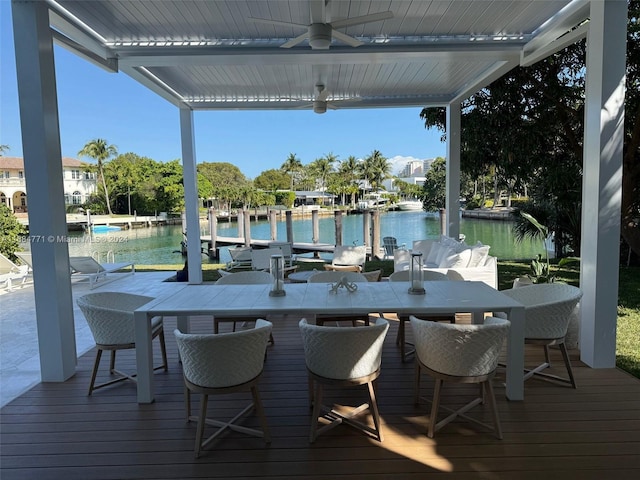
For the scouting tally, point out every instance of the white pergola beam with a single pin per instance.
(602, 182)
(216, 56)
(43, 167)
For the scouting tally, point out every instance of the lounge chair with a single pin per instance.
(87, 267)
(10, 272)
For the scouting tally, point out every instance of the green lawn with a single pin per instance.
(628, 335)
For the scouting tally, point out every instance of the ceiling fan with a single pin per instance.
(321, 31)
(321, 103)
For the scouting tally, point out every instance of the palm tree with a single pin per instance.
(322, 167)
(350, 168)
(100, 151)
(377, 169)
(291, 165)
(3, 148)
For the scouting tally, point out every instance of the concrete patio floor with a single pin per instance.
(19, 356)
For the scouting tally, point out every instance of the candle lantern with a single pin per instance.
(277, 276)
(415, 275)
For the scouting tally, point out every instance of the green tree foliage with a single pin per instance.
(3, 148)
(227, 181)
(321, 168)
(285, 198)
(272, 180)
(529, 127)
(434, 188)
(99, 150)
(11, 230)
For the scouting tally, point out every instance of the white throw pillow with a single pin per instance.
(450, 260)
(479, 254)
(443, 254)
(462, 259)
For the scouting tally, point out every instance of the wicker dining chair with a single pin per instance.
(110, 318)
(221, 364)
(250, 277)
(548, 309)
(345, 357)
(455, 353)
(401, 335)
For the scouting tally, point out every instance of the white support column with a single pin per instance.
(453, 170)
(194, 256)
(43, 170)
(602, 182)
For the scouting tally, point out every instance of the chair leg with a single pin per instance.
(260, 412)
(96, 364)
(433, 419)
(547, 359)
(374, 410)
(567, 362)
(112, 363)
(201, 422)
(317, 401)
(216, 325)
(163, 350)
(494, 408)
(416, 384)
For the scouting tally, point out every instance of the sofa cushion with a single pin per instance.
(434, 253)
(479, 254)
(457, 260)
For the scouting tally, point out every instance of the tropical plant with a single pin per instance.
(11, 230)
(4, 148)
(100, 151)
(291, 166)
(540, 270)
(376, 169)
(272, 180)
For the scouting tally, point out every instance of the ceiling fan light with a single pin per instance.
(319, 106)
(320, 36)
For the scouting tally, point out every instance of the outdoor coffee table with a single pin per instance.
(311, 299)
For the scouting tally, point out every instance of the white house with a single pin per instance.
(79, 183)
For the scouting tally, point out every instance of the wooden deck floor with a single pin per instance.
(55, 431)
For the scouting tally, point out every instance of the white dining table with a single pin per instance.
(310, 299)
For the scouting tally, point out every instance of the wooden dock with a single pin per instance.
(298, 247)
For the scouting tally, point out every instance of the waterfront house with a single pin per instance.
(79, 183)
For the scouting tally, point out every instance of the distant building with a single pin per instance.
(412, 169)
(79, 183)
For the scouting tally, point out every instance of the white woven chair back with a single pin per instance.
(332, 276)
(459, 349)
(349, 255)
(224, 359)
(110, 316)
(343, 352)
(548, 308)
(245, 278)
(261, 257)
(427, 275)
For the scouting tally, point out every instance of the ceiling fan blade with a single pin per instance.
(344, 38)
(374, 17)
(295, 41)
(275, 22)
(331, 106)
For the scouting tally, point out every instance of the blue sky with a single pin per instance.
(93, 103)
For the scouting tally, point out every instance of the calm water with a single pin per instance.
(160, 245)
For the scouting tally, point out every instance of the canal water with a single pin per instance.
(161, 245)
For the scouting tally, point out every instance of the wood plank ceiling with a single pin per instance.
(216, 55)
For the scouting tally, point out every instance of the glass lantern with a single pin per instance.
(277, 276)
(415, 274)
